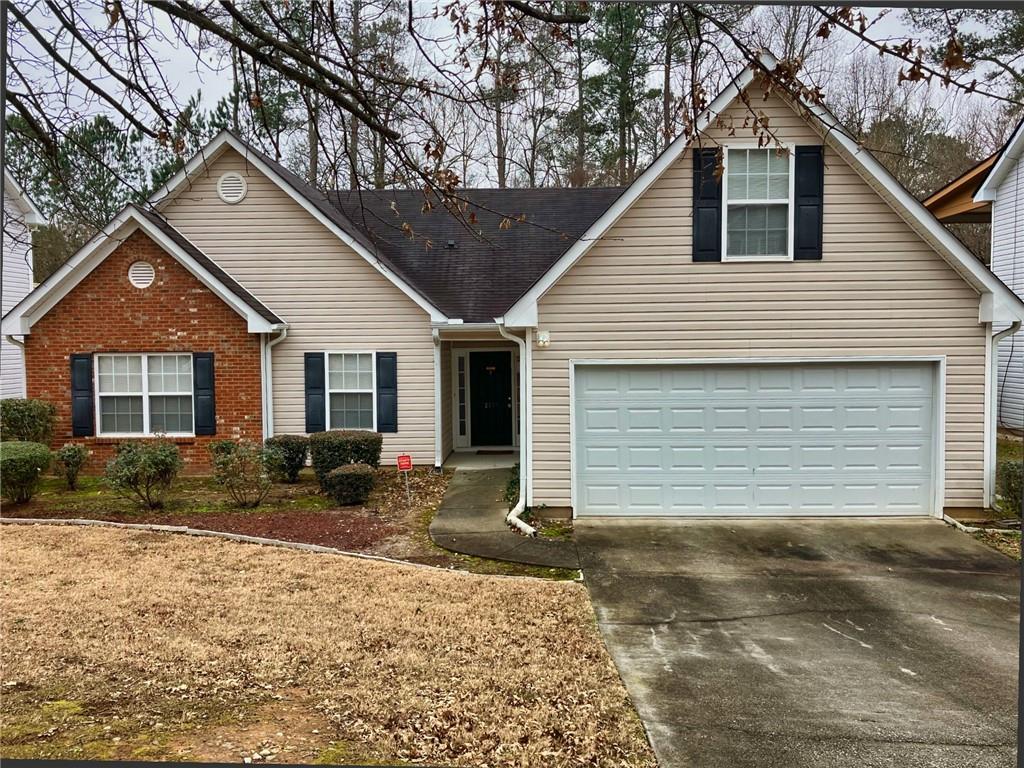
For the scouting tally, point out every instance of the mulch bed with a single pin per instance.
(340, 529)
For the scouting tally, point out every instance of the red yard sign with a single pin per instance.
(404, 462)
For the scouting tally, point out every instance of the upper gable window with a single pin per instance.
(758, 205)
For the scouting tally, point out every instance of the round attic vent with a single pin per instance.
(141, 274)
(231, 187)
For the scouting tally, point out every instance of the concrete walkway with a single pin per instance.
(471, 521)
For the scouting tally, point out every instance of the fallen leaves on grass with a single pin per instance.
(404, 663)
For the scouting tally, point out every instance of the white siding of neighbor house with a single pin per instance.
(1008, 264)
(331, 298)
(17, 282)
(879, 291)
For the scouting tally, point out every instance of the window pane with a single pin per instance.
(120, 373)
(758, 174)
(121, 414)
(350, 371)
(351, 410)
(170, 373)
(170, 413)
(758, 230)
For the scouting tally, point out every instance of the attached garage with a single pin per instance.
(766, 439)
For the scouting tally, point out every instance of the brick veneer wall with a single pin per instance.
(177, 313)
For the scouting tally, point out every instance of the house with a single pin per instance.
(993, 191)
(795, 336)
(20, 214)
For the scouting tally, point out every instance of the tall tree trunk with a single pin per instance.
(578, 176)
(353, 140)
(499, 144)
(666, 86)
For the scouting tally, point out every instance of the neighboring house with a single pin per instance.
(799, 338)
(993, 191)
(20, 215)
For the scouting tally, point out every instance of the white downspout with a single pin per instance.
(438, 426)
(512, 518)
(268, 381)
(20, 343)
(992, 417)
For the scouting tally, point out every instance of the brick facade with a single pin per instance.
(177, 313)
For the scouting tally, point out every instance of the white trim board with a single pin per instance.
(939, 448)
(998, 303)
(20, 319)
(226, 140)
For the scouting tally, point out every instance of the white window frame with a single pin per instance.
(372, 391)
(144, 393)
(790, 202)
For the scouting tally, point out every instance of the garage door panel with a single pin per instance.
(765, 440)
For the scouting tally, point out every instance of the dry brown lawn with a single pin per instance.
(119, 644)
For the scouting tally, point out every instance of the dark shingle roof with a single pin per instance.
(483, 275)
(209, 265)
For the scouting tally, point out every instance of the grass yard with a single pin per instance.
(125, 644)
(388, 524)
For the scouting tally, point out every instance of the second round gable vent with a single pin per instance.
(141, 274)
(231, 187)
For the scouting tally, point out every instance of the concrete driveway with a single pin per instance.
(810, 643)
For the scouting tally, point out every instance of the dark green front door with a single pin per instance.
(490, 398)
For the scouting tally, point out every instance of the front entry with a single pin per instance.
(490, 401)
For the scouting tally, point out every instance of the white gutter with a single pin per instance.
(268, 382)
(16, 341)
(512, 518)
(992, 410)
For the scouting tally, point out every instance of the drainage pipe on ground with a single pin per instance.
(512, 518)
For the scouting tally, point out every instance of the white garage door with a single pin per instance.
(808, 439)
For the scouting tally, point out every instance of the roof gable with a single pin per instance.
(48, 294)
(33, 216)
(1011, 154)
(307, 196)
(998, 302)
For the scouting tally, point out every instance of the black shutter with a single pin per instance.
(809, 190)
(707, 206)
(387, 392)
(202, 388)
(82, 421)
(316, 400)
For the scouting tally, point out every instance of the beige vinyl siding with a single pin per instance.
(879, 291)
(331, 298)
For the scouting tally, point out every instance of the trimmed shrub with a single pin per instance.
(27, 419)
(293, 450)
(22, 464)
(349, 483)
(143, 471)
(70, 459)
(1010, 486)
(330, 450)
(245, 470)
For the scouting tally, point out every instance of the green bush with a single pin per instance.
(22, 464)
(349, 483)
(246, 470)
(27, 419)
(71, 458)
(336, 448)
(143, 471)
(1010, 486)
(293, 449)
